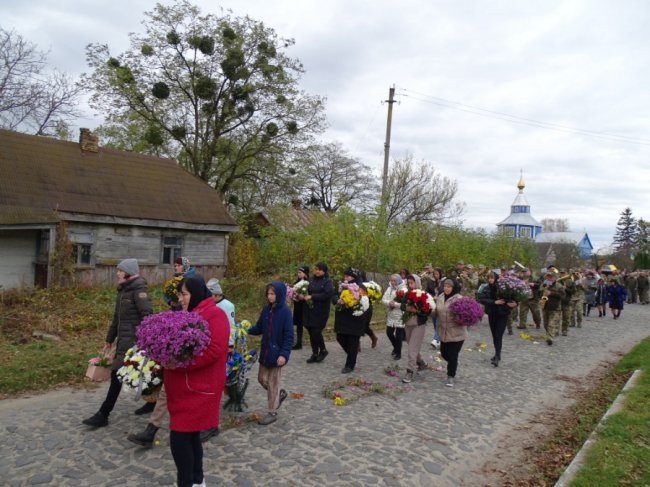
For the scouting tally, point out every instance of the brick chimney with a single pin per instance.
(87, 141)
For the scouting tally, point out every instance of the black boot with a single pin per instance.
(146, 409)
(97, 420)
(144, 438)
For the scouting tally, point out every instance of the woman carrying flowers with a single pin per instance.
(317, 310)
(394, 323)
(498, 310)
(452, 335)
(416, 306)
(194, 389)
(302, 282)
(352, 311)
(133, 303)
(276, 327)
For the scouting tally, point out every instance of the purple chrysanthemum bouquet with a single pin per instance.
(173, 338)
(512, 288)
(466, 311)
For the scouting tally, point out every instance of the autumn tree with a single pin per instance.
(416, 192)
(331, 179)
(555, 225)
(216, 92)
(32, 98)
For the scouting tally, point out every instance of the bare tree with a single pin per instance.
(416, 192)
(555, 224)
(32, 99)
(333, 179)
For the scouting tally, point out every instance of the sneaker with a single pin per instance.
(398, 356)
(205, 435)
(146, 409)
(346, 370)
(435, 344)
(313, 358)
(408, 377)
(283, 396)
(549, 342)
(321, 356)
(202, 484)
(450, 382)
(97, 420)
(268, 419)
(422, 366)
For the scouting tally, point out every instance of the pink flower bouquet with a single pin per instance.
(466, 311)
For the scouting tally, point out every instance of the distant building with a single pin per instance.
(548, 244)
(520, 223)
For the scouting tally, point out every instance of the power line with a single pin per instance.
(483, 112)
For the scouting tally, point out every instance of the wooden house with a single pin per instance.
(104, 205)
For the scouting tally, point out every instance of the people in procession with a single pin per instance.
(497, 310)
(317, 310)
(302, 274)
(452, 335)
(132, 304)
(415, 327)
(394, 324)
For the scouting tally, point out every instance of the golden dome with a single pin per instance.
(520, 183)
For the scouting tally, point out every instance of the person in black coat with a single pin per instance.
(317, 310)
(299, 306)
(498, 311)
(350, 324)
(132, 304)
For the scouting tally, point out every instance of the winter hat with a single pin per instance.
(183, 261)
(214, 286)
(351, 271)
(130, 266)
(304, 269)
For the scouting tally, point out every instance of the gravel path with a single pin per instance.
(428, 435)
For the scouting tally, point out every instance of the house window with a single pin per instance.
(526, 232)
(172, 248)
(82, 248)
(509, 231)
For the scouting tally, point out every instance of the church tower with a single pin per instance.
(520, 223)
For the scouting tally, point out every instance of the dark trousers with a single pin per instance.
(317, 340)
(449, 352)
(112, 395)
(350, 345)
(396, 336)
(188, 457)
(497, 328)
(299, 329)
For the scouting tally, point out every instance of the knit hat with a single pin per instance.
(183, 261)
(130, 266)
(214, 286)
(351, 271)
(304, 269)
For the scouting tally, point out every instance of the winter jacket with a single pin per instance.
(133, 303)
(194, 392)
(487, 298)
(321, 290)
(616, 296)
(346, 323)
(275, 324)
(394, 315)
(448, 329)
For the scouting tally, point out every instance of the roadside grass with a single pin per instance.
(47, 336)
(620, 454)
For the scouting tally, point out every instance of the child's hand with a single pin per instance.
(281, 361)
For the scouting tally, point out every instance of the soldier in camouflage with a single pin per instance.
(531, 303)
(553, 292)
(569, 291)
(577, 300)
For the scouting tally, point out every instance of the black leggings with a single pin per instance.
(498, 328)
(350, 345)
(450, 351)
(188, 457)
(317, 340)
(396, 336)
(112, 395)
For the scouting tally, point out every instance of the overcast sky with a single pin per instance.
(573, 74)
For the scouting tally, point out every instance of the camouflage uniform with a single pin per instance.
(531, 304)
(643, 285)
(567, 303)
(577, 301)
(553, 310)
(632, 288)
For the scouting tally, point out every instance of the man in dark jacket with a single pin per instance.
(317, 311)
(133, 303)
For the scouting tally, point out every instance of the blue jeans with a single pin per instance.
(435, 329)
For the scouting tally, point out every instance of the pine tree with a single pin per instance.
(626, 231)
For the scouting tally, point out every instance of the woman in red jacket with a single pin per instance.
(194, 392)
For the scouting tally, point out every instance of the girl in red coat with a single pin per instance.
(194, 392)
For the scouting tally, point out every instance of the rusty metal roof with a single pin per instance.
(49, 174)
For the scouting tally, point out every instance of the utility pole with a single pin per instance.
(384, 182)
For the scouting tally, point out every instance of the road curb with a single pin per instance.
(575, 465)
